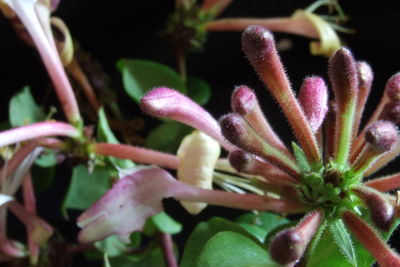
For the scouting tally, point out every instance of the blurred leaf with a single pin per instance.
(23, 109)
(203, 232)
(104, 134)
(198, 90)
(85, 188)
(230, 249)
(162, 222)
(261, 224)
(139, 76)
(112, 246)
(167, 136)
(47, 159)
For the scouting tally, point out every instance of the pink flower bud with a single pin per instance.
(382, 136)
(391, 112)
(365, 75)
(392, 88)
(313, 98)
(243, 100)
(343, 76)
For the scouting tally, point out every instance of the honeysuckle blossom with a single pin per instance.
(322, 175)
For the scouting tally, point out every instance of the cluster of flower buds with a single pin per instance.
(322, 175)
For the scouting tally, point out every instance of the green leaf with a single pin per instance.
(85, 188)
(104, 134)
(327, 248)
(162, 222)
(151, 258)
(230, 249)
(343, 240)
(301, 158)
(167, 136)
(205, 231)
(198, 90)
(23, 109)
(112, 246)
(261, 224)
(47, 159)
(139, 76)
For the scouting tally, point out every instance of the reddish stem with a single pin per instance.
(385, 184)
(371, 240)
(137, 154)
(168, 249)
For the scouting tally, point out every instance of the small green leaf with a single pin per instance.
(198, 90)
(47, 159)
(85, 188)
(112, 246)
(139, 76)
(104, 134)
(261, 224)
(162, 222)
(301, 158)
(230, 249)
(167, 136)
(23, 109)
(343, 240)
(205, 231)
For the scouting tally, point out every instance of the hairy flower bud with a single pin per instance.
(382, 136)
(287, 246)
(365, 75)
(313, 97)
(391, 112)
(382, 211)
(243, 100)
(392, 88)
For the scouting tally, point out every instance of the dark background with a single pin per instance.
(113, 29)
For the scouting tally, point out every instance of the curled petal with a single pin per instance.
(63, 40)
(198, 154)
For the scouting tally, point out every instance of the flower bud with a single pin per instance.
(313, 98)
(382, 211)
(241, 134)
(382, 136)
(343, 76)
(391, 112)
(287, 247)
(365, 75)
(392, 88)
(243, 100)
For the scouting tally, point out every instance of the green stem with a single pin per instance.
(345, 133)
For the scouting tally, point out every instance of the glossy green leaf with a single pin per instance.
(167, 136)
(198, 90)
(140, 76)
(23, 109)
(260, 224)
(162, 222)
(85, 188)
(204, 232)
(104, 134)
(230, 249)
(301, 158)
(343, 240)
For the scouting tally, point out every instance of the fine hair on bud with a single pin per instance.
(382, 135)
(243, 100)
(287, 246)
(391, 112)
(392, 88)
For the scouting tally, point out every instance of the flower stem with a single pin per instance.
(137, 154)
(168, 249)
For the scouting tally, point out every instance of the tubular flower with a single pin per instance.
(322, 175)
